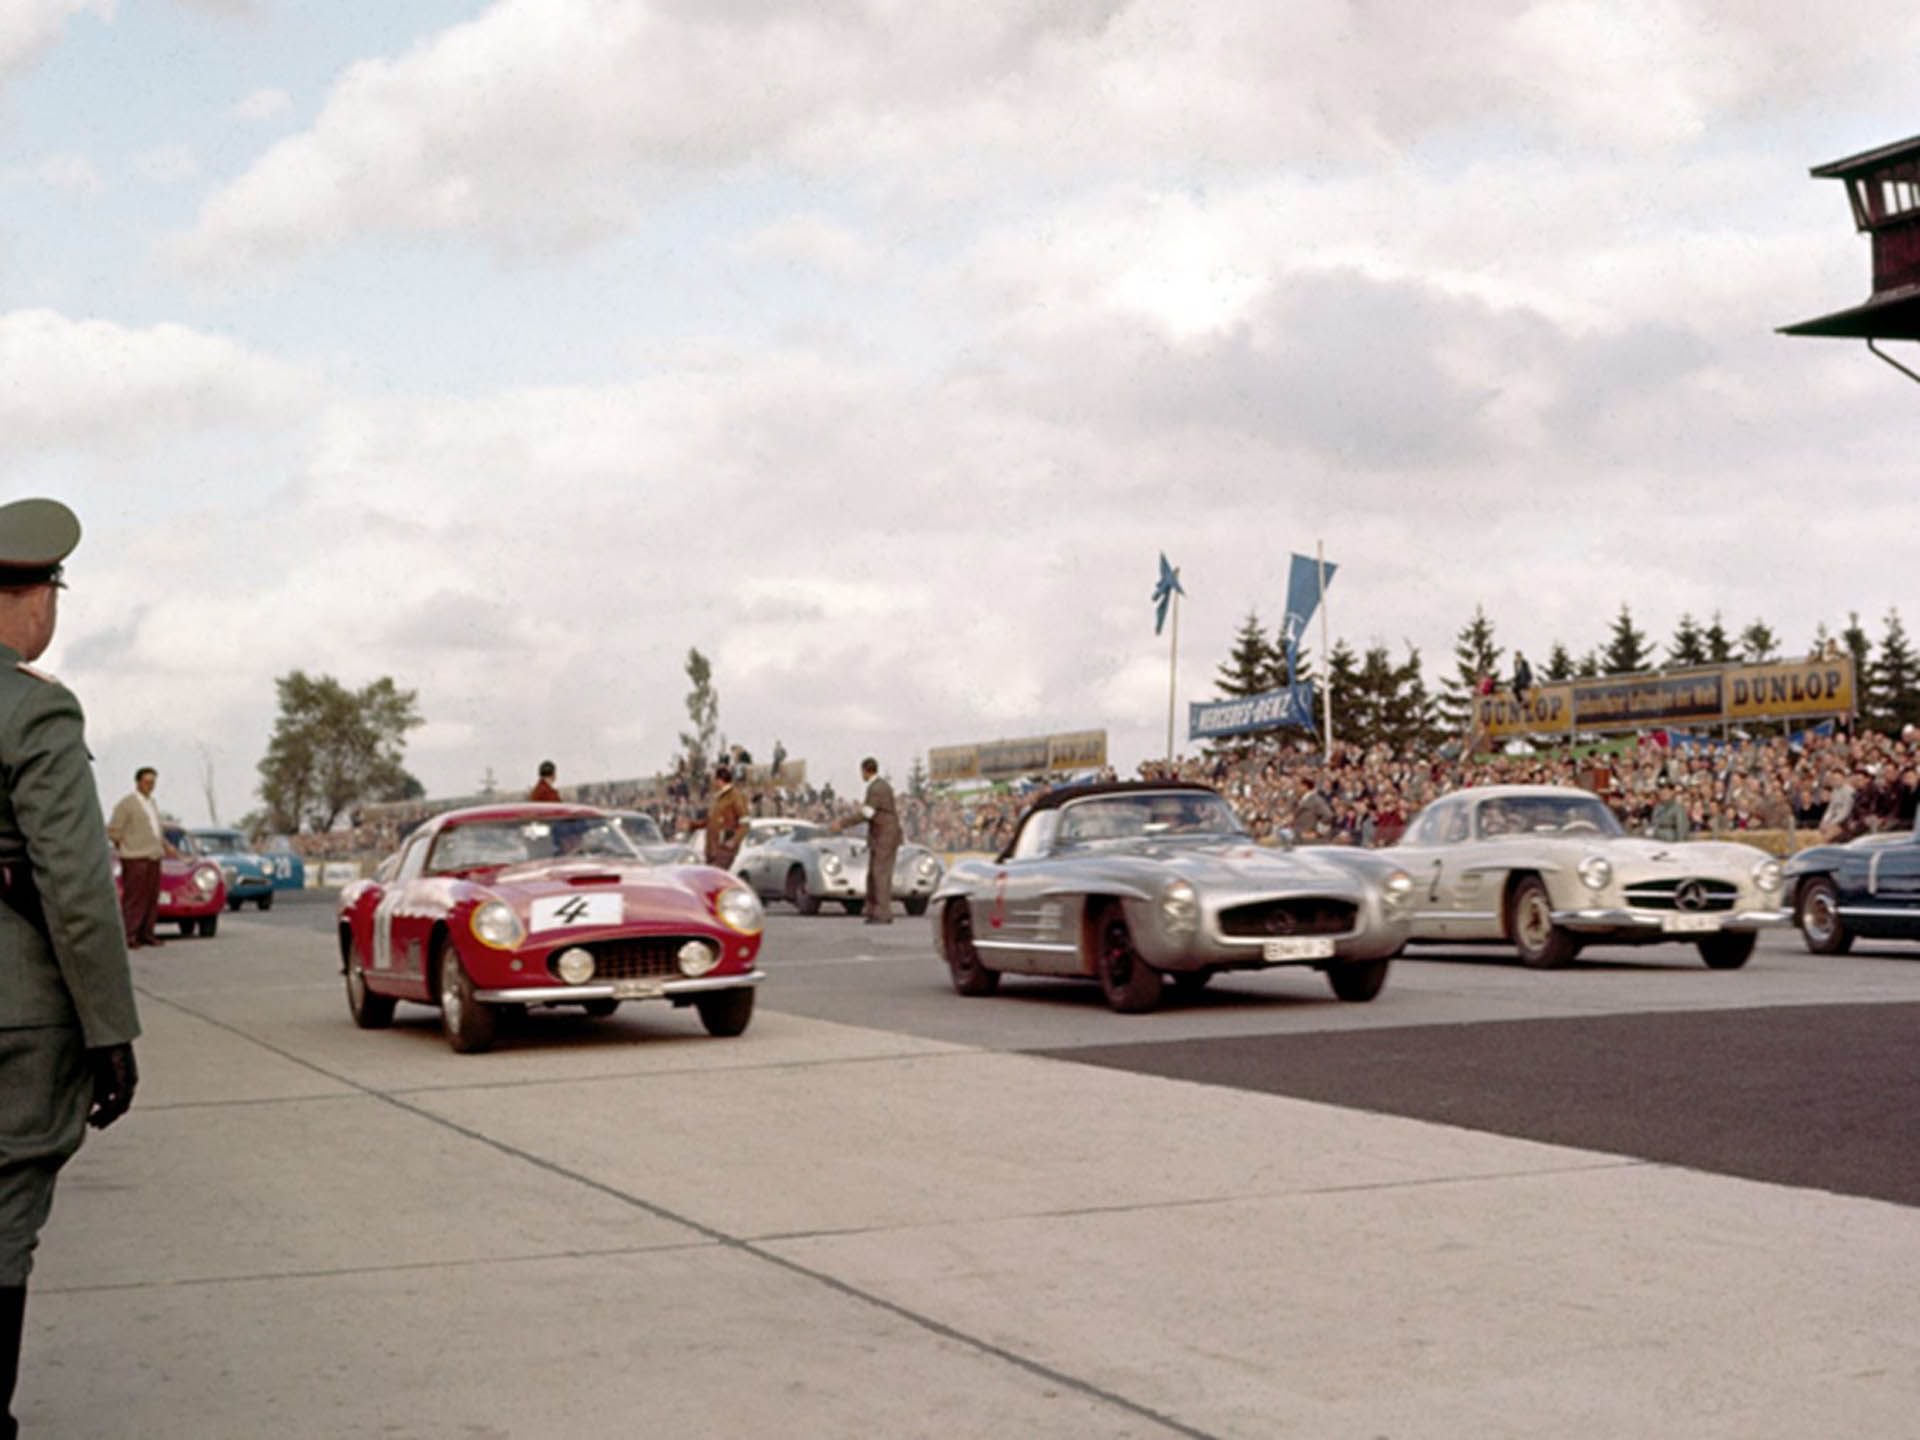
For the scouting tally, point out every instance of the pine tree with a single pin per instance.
(1822, 641)
(1369, 700)
(1758, 643)
(1249, 665)
(1719, 644)
(1342, 679)
(1559, 664)
(1409, 724)
(1689, 644)
(1896, 676)
(1589, 666)
(1474, 655)
(1628, 648)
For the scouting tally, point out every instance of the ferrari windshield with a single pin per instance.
(640, 829)
(1135, 815)
(1545, 815)
(489, 843)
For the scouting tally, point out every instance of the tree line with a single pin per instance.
(1378, 699)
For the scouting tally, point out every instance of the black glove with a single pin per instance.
(114, 1078)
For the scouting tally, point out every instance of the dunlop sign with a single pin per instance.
(1707, 695)
(1004, 759)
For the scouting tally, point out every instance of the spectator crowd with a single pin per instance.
(1807, 786)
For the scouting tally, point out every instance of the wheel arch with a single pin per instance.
(1508, 887)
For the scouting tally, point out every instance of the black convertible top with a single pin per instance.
(1061, 795)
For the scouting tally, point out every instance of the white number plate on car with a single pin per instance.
(1688, 924)
(639, 989)
(1300, 947)
(579, 911)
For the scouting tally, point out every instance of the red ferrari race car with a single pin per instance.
(529, 904)
(192, 892)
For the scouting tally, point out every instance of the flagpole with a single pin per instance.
(1326, 656)
(1173, 670)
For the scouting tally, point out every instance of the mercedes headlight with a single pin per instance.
(1595, 872)
(206, 879)
(495, 924)
(697, 957)
(1398, 890)
(1766, 874)
(740, 909)
(830, 864)
(1179, 908)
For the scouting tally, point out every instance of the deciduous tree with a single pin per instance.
(333, 748)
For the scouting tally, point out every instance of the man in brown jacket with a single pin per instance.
(726, 820)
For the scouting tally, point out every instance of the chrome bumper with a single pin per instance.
(563, 994)
(1655, 920)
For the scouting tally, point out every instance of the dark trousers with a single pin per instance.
(139, 899)
(880, 878)
(13, 1314)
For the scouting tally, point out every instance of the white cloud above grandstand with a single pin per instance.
(876, 349)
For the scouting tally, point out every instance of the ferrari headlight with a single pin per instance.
(1766, 874)
(830, 863)
(206, 879)
(575, 966)
(1179, 908)
(697, 957)
(740, 909)
(1397, 889)
(495, 924)
(1595, 872)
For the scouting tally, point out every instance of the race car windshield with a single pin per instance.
(1546, 815)
(488, 844)
(641, 829)
(1126, 817)
(220, 839)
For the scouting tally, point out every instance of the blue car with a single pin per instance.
(249, 876)
(289, 869)
(1867, 889)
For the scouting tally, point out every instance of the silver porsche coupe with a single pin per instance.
(1143, 885)
(805, 864)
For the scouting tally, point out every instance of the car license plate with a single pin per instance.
(1689, 924)
(1298, 947)
(639, 989)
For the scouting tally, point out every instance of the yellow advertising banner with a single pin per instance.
(1701, 696)
(1004, 759)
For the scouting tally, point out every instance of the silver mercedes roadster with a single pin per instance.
(804, 864)
(1142, 885)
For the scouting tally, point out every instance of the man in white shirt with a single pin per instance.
(136, 833)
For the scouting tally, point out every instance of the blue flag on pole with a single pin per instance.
(1303, 598)
(1164, 591)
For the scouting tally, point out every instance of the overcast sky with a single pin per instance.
(877, 347)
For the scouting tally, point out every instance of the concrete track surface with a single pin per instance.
(1630, 1198)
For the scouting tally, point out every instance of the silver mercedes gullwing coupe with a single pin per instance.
(1548, 869)
(1143, 885)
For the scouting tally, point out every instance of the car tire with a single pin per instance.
(969, 975)
(726, 1013)
(854, 907)
(1728, 950)
(1131, 985)
(266, 901)
(1358, 981)
(369, 1011)
(803, 900)
(209, 926)
(1541, 944)
(186, 928)
(233, 903)
(915, 904)
(600, 1009)
(1818, 916)
(469, 1026)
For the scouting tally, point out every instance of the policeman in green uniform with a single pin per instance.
(67, 1018)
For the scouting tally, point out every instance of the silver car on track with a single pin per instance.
(1142, 884)
(804, 864)
(1548, 869)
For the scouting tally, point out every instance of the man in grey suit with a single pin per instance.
(883, 841)
(67, 1019)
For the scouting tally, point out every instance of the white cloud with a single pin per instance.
(813, 242)
(27, 27)
(95, 385)
(71, 175)
(167, 164)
